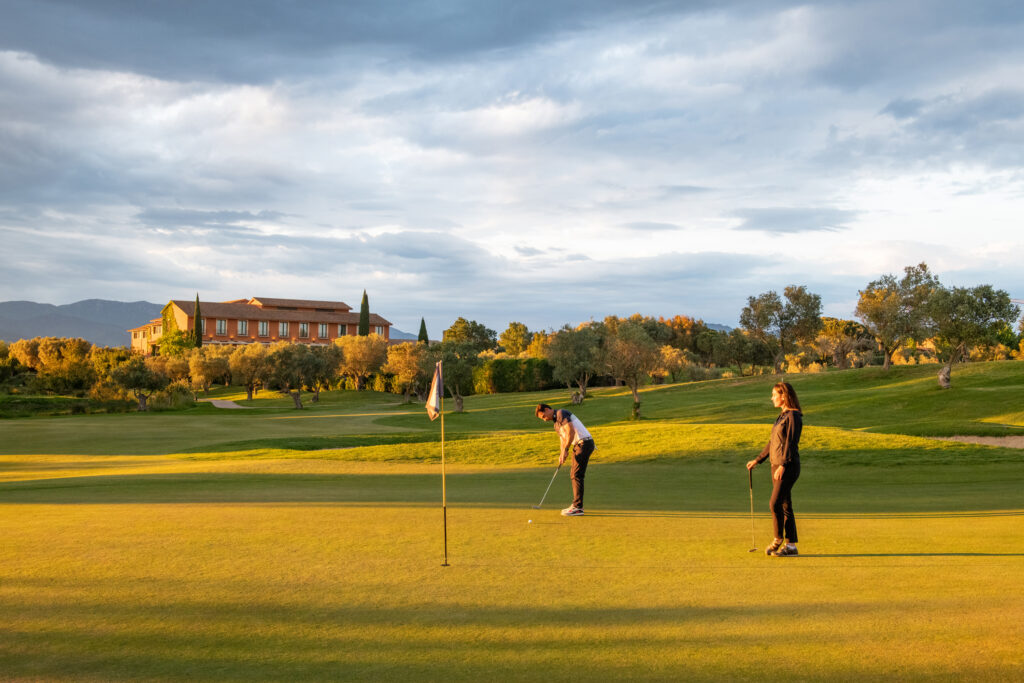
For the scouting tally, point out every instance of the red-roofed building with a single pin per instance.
(260, 319)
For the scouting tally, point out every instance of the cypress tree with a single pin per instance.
(197, 332)
(423, 338)
(364, 316)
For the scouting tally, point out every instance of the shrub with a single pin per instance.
(506, 375)
(174, 396)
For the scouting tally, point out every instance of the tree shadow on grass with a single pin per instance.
(205, 630)
(622, 491)
(845, 555)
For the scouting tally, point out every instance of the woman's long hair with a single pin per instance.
(788, 395)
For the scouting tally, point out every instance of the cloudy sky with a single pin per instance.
(539, 161)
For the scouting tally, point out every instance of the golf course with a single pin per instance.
(273, 544)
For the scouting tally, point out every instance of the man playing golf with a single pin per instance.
(571, 434)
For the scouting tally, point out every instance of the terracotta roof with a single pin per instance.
(299, 303)
(214, 309)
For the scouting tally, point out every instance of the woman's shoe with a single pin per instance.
(775, 545)
(785, 551)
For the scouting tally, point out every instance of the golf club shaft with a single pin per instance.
(750, 478)
(549, 486)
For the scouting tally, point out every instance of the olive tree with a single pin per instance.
(574, 356)
(458, 360)
(630, 357)
(247, 364)
(965, 317)
(896, 312)
(139, 377)
(404, 363)
(288, 369)
(782, 325)
(362, 356)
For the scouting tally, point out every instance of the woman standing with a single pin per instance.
(783, 449)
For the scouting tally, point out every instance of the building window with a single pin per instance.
(243, 327)
(222, 327)
(282, 329)
(379, 329)
(304, 330)
(322, 333)
(264, 328)
(342, 330)
(202, 326)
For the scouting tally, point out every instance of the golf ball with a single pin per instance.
(529, 521)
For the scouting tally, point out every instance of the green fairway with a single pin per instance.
(274, 544)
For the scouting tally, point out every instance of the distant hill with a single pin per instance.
(395, 333)
(101, 322)
(718, 327)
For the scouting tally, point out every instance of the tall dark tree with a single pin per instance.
(423, 338)
(471, 332)
(197, 333)
(364, 316)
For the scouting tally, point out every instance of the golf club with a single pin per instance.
(750, 478)
(537, 506)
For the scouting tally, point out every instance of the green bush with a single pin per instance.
(174, 396)
(382, 382)
(506, 375)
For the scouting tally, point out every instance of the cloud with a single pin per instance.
(794, 220)
(169, 217)
(417, 150)
(649, 226)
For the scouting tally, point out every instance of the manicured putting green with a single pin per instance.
(134, 552)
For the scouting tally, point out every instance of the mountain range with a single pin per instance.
(102, 322)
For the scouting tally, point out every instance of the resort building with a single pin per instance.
(263, 320)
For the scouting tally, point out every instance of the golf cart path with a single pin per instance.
(1004, 441)
(221, 403)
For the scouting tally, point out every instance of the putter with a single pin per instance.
(750, 478)
(537, 506)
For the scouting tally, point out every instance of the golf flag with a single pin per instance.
(436, 388)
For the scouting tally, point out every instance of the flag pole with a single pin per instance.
(444, 490)
(435, 408)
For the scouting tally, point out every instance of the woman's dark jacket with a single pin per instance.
(784, 445)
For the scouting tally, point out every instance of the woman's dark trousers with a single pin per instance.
(781, 503)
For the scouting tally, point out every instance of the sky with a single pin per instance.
(537, 161)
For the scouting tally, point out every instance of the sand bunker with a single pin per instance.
(1004, 441)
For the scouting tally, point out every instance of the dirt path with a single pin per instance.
(1004, 441)
(221, 403)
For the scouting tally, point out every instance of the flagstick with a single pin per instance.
(444, 491)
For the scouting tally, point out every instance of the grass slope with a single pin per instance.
(271, 544)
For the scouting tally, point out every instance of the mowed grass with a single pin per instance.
(273, 544)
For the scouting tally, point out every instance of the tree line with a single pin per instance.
(908, 318)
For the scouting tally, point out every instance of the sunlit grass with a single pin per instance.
(273, 544)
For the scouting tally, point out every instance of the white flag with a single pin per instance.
(436, 387)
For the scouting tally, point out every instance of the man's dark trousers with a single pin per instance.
(580, 457)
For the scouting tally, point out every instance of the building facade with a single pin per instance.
(258, 320)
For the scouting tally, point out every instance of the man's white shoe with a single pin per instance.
(572, 511)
